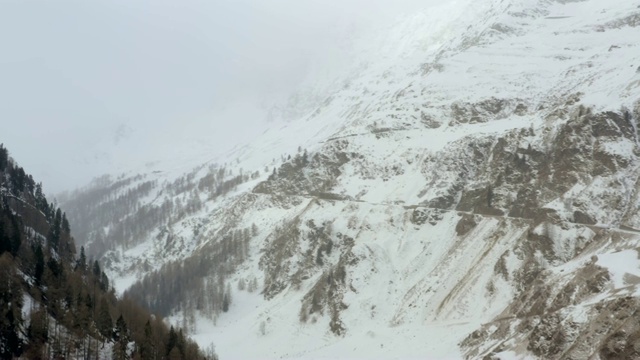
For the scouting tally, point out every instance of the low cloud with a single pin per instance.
(88, 86)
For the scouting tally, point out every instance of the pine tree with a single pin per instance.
(96, 269)
(104, 282)
(54, 230)
(4, 240)
(56, 270)
(65, 224)
(16, 238)
(122, 339)
(172, 341)
(82, 317)
(39, 268)
(147, 347)
(181, 343)
(41, 200)
(4, 157)
(210, 353)
(104, 321)
(10, 309)
(82, 261)
(37, 333)
(242, 284)
(226, 299)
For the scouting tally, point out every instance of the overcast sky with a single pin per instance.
(87, 86)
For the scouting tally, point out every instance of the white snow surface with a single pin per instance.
(620, 265)
(284, 337)
(418, 290)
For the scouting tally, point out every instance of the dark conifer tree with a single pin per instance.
(15, 239)
(172, 341)
(54, 230)
(4, 240)
(122, 339)
(104, 282)
(10, 309)
(81, 264)
(39, 266)
(147, 347)
(65, 224)
(41, 201)
(96, 269)
(226, 299)
(4, 157)
(37, 333)
(56, 269)
(104, 321)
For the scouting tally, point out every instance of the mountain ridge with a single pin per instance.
(462, 184)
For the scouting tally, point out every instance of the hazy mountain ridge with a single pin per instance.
(478, 179)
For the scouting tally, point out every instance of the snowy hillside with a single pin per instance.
(470, 189)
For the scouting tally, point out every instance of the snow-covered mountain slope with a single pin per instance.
(470, 190)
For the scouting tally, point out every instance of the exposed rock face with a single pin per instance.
(308, 176)
(466, 224)
(486, 110)
(541, 183)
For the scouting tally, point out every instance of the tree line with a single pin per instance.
(200, 283)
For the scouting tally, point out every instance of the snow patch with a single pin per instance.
(619, 265)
